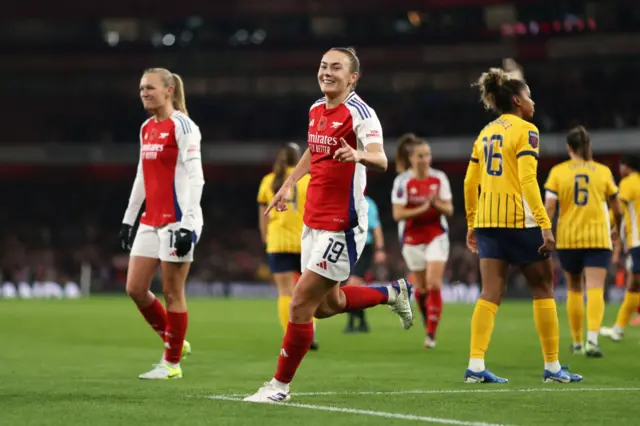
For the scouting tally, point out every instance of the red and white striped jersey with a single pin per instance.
(169, 176)
(335, 196)
(412, 192)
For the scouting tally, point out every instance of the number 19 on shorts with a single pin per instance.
(333, 251)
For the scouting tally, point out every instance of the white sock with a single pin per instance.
(280, 386)
(618, 329)
(393, 294)
(476, 365)
(592, 336)
(554, 366)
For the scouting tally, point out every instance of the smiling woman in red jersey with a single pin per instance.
(169, 181)
(421, 199)
(344, 139)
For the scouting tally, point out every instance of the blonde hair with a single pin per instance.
(169, 79)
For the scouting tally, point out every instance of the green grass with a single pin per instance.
(76, 362)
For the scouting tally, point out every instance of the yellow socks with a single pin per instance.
(595, 313)
(283, 311)
(545, 316)
(481, 329)
(628, 307)
(575, 311)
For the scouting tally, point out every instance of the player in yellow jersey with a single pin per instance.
(282, 231)
(507, 223)
(629, 197)
(581, 189)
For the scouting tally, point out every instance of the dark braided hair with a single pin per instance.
(497, 90)
(632, 161)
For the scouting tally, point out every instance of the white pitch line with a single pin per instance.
(444, 391)
(384, 414)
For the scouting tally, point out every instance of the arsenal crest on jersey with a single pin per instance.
(533, 139)
(322, 123)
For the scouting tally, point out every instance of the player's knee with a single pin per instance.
(139, 295)
(434, 283)
(173, 296)
(302, 310)
(355, 280)
(492, 295)
(634, 283)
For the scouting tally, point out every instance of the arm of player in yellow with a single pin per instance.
(551, 196)
(528, 174)
(263, 201)
(471, 184)
(614, 206)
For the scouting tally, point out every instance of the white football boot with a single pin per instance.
(270, 393)
(399, 301)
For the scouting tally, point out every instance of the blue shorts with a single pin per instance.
(574, 261)
(284, 262)
(516, 246)
(634, 253)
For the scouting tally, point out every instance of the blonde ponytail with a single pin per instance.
(179, 99)
(169, 79)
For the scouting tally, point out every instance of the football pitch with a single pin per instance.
(75, 362)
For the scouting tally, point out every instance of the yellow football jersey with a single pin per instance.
(582, 189)
(629, 197)
(504, 164)
(284, 229)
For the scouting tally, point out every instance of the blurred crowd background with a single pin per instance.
(71, 112)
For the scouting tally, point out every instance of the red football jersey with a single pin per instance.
(166, 169)
(412, 192)
(335, 196)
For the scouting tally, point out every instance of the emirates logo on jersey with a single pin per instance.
(322, 123)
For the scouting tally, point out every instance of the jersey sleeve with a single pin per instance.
(399, 192)
(368, 128)
(527, 151)
(551, 186)
(626, 191)
(445, 188)
(303, 184)
(263, 191)
(529, 142)
(374, 216)
(137, 191)
(471, 183)
(612, 188)
(188, 138)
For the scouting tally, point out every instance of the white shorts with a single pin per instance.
(417, 256)
(158, 243)
(332, 254)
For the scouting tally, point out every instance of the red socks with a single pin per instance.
(434, 310)
(421, 301)
(638, 309)
(170, 326)
(295, 345)
(360, 297)
(176, 330)
(156, 316)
